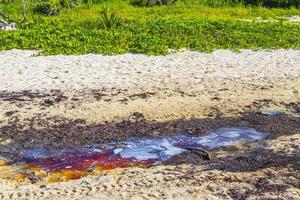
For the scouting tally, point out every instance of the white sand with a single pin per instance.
(20, 71)
(182, 85)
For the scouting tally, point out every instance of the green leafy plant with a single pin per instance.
(152, 2)
(222, 3)
(24, 9)
(273, 3)
(109, 19)
(150, 30)
(69, 3)
(4, 19)
(42, 8)
(53, 7)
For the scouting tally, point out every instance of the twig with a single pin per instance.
(198, 150)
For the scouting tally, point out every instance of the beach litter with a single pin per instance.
(67, 164)
(7, 26)
(271, 112)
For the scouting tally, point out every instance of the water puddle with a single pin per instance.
(52, 165)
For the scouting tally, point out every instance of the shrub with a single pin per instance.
(6, 1)
(53, 7)
(69, 3)
(274, 3)
(152, 2)
(42, 8)
(221, 3)
(139, 2)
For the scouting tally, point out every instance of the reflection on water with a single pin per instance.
(67, 164)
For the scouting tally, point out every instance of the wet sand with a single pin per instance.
(104, 98)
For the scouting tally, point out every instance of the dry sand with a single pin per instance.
(46, 97)
(163, 88)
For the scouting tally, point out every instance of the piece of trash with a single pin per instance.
(271, 112)
(7, 27)
(5, 23)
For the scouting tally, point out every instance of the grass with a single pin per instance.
(151, 30)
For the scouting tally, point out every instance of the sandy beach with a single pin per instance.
(64, 101)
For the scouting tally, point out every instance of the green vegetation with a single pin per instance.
(109, 20)
(118, 26)
(152, 2)
(273, 3)
(3, 17)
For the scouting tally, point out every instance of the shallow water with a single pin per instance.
(65, 164)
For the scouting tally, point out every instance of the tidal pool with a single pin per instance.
(54, 165)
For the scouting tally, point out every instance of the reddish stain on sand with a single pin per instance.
(85, 161)
(71, 166)
(2, 164)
